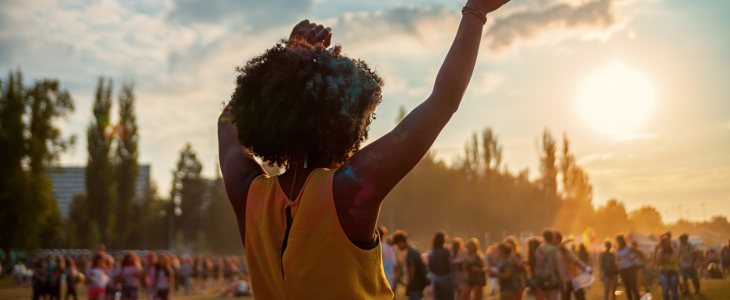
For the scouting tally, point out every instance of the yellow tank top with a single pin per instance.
(320, 261)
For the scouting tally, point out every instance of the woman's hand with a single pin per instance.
(486, 6)
(313, 33)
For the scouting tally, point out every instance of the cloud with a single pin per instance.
(239, 14)
(530, 24)
(489, 83)
(422, 26)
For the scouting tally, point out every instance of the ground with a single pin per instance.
(711, 290)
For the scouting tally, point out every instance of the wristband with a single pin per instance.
(475, 11)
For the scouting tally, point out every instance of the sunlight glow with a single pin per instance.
(616, 100)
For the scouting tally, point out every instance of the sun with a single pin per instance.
(616, 100)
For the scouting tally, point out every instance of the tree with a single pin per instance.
(16, 217)
(220, 222)
(576, 211)
(127, 168)
(187, 193)
(548, 171)
(646, 219)
(30, 141)
(612, 219)
(99, 173)
(47, 104)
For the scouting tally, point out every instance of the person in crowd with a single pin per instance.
(187, 272)
(609, 271)
(57, 280)
(520, 273)
(72, 278)
(208, 274)
(439, 264)
(532, 244)
(152, 262)
(389, 257)
(687, 259)
(627, 269)
(198, 270)
(725, 256)
(98, 277)
(473, 276)
(39, 280)
(714, 271)
(113, 268)
(417, 280)
(504, 272)
(457, 263)
(175, 264)
(666, 261)
(492, 261)
(239, 287)
(571, 266)
(308, 107)
(50, 280)
(583, 254)
(164, 279)
(548, 275)
(130, 275)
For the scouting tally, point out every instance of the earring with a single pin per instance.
(305, 161)
(288, 160)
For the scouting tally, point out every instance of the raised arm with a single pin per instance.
(368, 176)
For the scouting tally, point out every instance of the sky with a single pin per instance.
(640, 87)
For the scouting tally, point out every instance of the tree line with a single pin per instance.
(478, 194)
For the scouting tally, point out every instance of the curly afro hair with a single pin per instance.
(298, 97)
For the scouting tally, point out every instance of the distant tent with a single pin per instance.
(646, 244)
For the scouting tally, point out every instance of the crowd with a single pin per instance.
(107, 277)
(552, 267)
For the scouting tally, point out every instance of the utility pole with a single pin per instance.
(704, 217)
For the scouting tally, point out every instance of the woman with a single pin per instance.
(308, 108)
(72, 278)
(97, 279)
(666, 261)
(39, 280)
(492, 261)
(152, 260)
(627, 270)
(532, 244)
(439, 264)
(520, 273)
(609, 272)
(473, 277)
(583, 254)
(164, 280)
(504, 272)
(57, 279)
(571, 267)
(130, 275)
(457, 263)
(637, 257)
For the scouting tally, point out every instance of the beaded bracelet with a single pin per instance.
(475, 11)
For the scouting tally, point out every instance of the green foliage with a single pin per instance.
(30, 141)
(94, 237)
(99, 172)
(221, 226)
(188, 192)
(127, 168)
(646, 219)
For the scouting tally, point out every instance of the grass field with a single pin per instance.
(711, 290)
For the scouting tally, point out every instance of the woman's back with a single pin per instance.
(608, 264)
(298, 248)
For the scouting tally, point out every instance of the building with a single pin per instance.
(71, 181)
